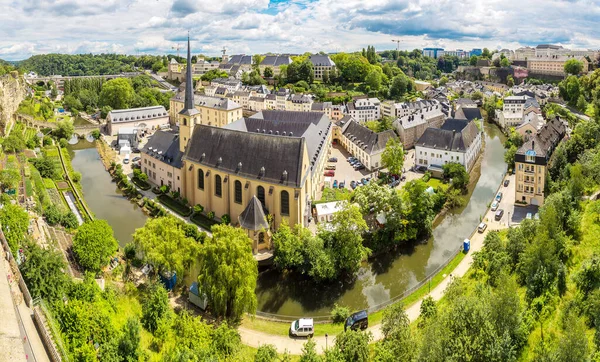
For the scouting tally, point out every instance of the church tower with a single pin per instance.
(189, 115)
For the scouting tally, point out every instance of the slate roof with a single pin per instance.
(164, 146)
(137, 114)
(468, 113)
(321, 60)
(240, 59)
(276, 60)
(455, 135)
(253, 217)
(262, 156)
(545, 140)
(369, 141)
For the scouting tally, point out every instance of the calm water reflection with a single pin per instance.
(390, 274)
(103, 197)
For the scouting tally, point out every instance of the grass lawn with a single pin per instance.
(175, 205)
(435, 183)
(374, 318)
(49, 184)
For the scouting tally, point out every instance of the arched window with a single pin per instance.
(218, 190)
(238, 191)
(285, 203)
(260, 193)
(261, 238)
(200, 179)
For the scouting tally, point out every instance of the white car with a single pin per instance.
(481, 228)
(302, 327)
(495, 205)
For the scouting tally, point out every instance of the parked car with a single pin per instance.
(499, 215)
(536, 216)
(495, 205)
(335, 184)
(342, 184)
(303, 327)
(136, 158)
(329, 173)
(330, 167)
(353, 184)
(506, 182)
(359, 167)
(126, 159)
(350, 159)
(403, 178)
(529, 216)
(358, 320)
(481, 228)
(333, 159)
(499, 196)
(364, 181)
(422, 168)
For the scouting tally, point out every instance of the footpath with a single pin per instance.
(294, 346)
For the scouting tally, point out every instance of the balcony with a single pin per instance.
(529, 171)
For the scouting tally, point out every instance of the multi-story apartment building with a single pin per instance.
(203, 66)
(274, 62)
(212, 111)
(524, 53)
(364, 144)
(553, 65)
(364, 109)
(321, 64)
(514, 110)
(231, 85)
(412, 126)
(395, 110)
(531, 162)
(299, 103)
(456, 140)
(162, 160)
(433, 52)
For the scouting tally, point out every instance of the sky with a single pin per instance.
(29, 27)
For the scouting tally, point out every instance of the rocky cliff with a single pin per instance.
(12, 92)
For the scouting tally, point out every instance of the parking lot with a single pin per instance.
(344, 172)
(512, 212)
(112, 141)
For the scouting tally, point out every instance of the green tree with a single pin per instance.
(9, 178)
(164, 244)
(228, 272)
(46, 167)
(486, 54)
(117, 93)
(268, 72)
(129, 344)
(309, 352)
(509, 156)
(473, 60)
(505, 62)
(401, 84)
(13, 143)
(266, 353)
(94, 244)
(573, 66)
(64, 129)
(157, 66)
(573, 344)
(458, 174)
(373, 79)
(392, 157)
(155, 306)
(14, 222)
(72, 103)
(353, 345)
(510, 81)
(398, 339)
(44, 272)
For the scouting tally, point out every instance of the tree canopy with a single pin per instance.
(94, 244)
(392, 157)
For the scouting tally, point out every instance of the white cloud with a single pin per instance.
(155, 26)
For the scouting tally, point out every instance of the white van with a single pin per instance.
(302, 328)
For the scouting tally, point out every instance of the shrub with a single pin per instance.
(198, 208)
(164, 189)
(76, 176)
(129, 251)
(226, 219)
(63, 143)
(211, 215)
(339, 314)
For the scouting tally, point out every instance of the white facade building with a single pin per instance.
(365, 109)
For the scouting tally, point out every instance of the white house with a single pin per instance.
(365, 109)
(150, 118)
(456, 140)
(326, 211)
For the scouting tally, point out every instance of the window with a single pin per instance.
(169, 174)
(218, 189)
(200, 179)
(529, 158)
(185, 122)
(285, 203)
(260, 194)
(238, 191)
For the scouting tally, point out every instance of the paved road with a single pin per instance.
(294, 346)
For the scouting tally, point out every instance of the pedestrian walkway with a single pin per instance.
(11, 343)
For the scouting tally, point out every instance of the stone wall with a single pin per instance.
(12, 93)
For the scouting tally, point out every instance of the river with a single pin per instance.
(389, 275)
(102, 194)
(382, 278)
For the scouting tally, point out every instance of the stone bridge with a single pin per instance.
(80, 130)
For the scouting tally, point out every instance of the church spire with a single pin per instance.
(189, 83)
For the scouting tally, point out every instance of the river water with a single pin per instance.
(103, 196)
(382, 278)
(391, 274)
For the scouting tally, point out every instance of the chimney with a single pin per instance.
(533, 145)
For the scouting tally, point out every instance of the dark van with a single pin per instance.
(358, 320)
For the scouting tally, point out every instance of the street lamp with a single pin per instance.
(326, 335)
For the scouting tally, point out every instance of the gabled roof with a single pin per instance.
(276, 60)
(261, 156)
(454, 135)
(164, 146)
(321, 60)
(545, 140)
(253, 217)
(369, 141)
(468, 113)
